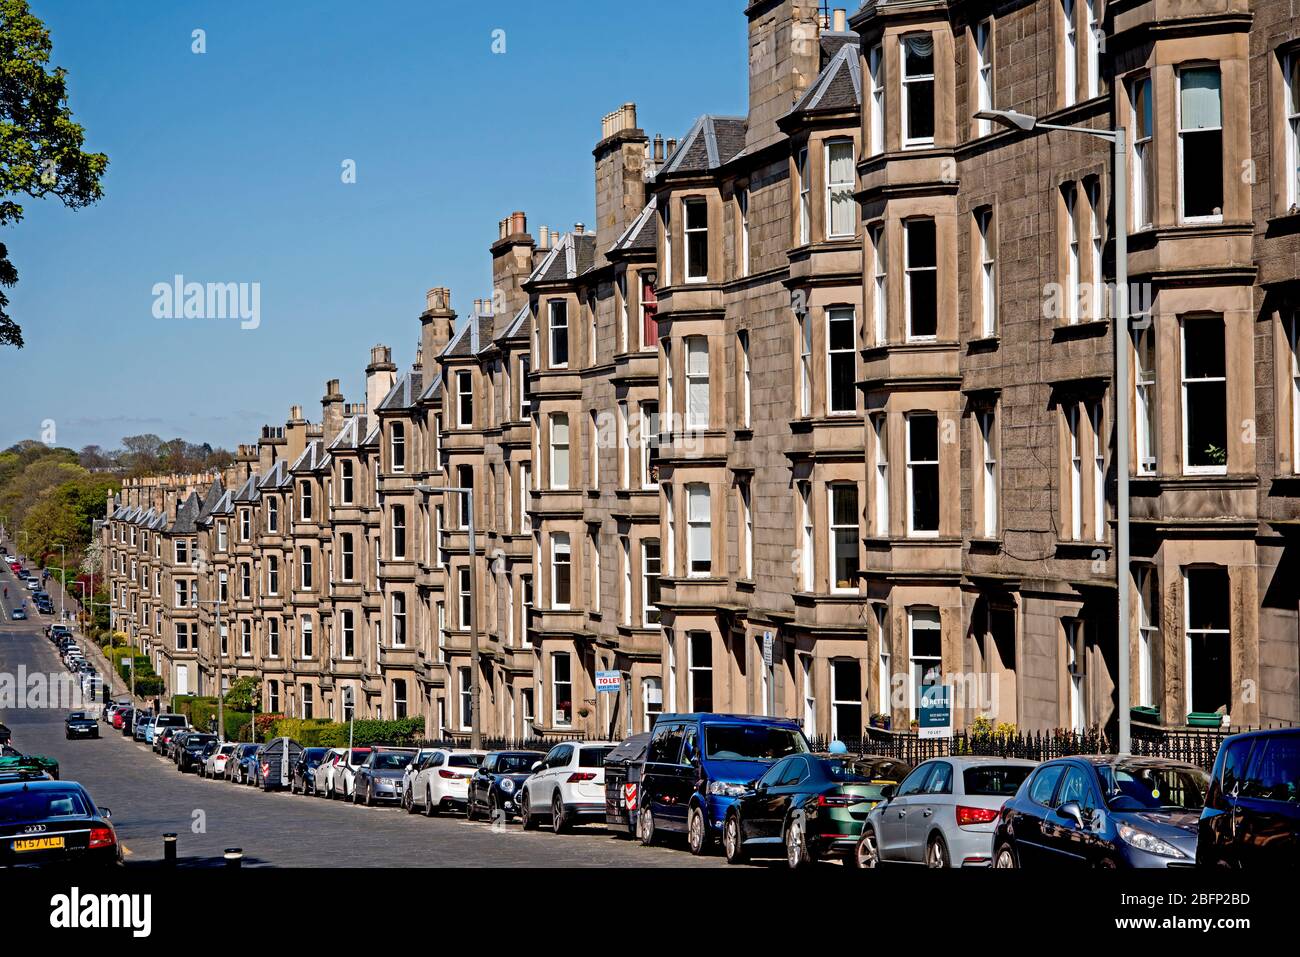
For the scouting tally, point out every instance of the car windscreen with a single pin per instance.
(995, 780)
(464, 760)
(1140, 788)
(515, 763)
(39, 805)
(390, 760)
(850, 771)
(593, 757)
(742, 742)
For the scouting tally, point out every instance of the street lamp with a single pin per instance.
(1119, 163)
(63, 578)
(475, 729)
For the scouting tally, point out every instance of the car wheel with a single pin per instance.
(936, 854)
(493, 809)
(526, 817)
(471, 812)
(697, 831)
(645, 826)
(430, 809)
(796, 845)
(408, 801)
(370, 794)
(1006, 858)
(731, 844)
(559, 823)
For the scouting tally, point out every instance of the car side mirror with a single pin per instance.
(760, 787)
(537, 765)
(108, 814)
(888, 791)
(1072, 810)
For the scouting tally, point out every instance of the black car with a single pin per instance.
(1103, 811)
(303, 780)
(80, 724)
(494, 785)
(1252, 808)
(54, 822)
(194, 750)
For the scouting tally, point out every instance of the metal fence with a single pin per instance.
(500, 744)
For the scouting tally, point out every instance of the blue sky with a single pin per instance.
(226, 167)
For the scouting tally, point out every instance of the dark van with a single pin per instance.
(698, 764)
(1252, 806)
(622, 779)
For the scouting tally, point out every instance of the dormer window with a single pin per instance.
(918, 90)
(697, 240)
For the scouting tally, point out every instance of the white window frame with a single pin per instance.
(906, 80)
(805, 197)
(983, 74)
(1291, 109)
(692, 235)
(1069, 53)
(1147, 579)
(880, 473)
(807, 532)
(561, 545)
(805, 364)
(1143, 190)
(832, 488)
(745, 492)
(914, 616)
(560, 451)
(987, 272)
(699, 529)
(1097, 422)
(464, 399)
(1092, 49)
(698, 404)
(879, 285)
(841, 314)
(912, 465)
(649, 610)
(1069, 195)
(909, 271)
(839, 190)
(742, 207)
(745, 373)
(1185, 382)
(986, 426)
(876, 97)
(555, 329)
(1075, 470)
(1178, 113)
(1145, 397)
(397, 447)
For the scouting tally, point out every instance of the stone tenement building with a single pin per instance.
(837, 373)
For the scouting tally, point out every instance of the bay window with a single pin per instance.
(696, 230)
(841, 360)
(922, 276)
(697, 382)
(1205, 396)
(1200, 144)
(843, 510)
(922, 474)
(699, 541)
(917, 97)
(841, 210)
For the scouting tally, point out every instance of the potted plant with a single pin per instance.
(881, 720)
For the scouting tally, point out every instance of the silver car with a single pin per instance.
(943, 814)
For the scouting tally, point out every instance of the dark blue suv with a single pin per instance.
(1252, 808)
(698, 764)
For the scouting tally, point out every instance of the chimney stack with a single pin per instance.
(436, 324)
(331, 405)
(381, 374)
(295, 434)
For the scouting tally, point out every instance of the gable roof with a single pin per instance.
(313, 458)
(710, 142)
(640, 235)
(573, 255)
(277, 476)
(187, 515)
(520, 325)
(837, 87)
(403, 395)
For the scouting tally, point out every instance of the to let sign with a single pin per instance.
(608, 681)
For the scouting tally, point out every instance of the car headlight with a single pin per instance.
(506, 785)
(725, 789)
(1145, 841)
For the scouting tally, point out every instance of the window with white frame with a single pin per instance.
(347, 557)
(983, 74)
(304, 501)
(699, 529)
(1092, 40)
(273, 637)
(525, 388)
(649, 582)
(917, 94)
(397, 447)
(880, 473)
(922, 474)
(221, 536)
(1144, 384)
(668, 243)
(805, 197)
(347, 633)
(1147, 581)
(465, 697)
(652, 701)
(561, 571)
(398, 611)
(925, 653)
(807, 550)
(697, 382)
(696, 233)
(805, 363)
(245, 580)
(1069, 53)
(1293, 366)
(921, 270)
(879, 286)
(465, 597)
(986, 431)
(304, 568)
(1291, 97)
(306, 647)
(742, 211)
(876, 98)
(272, 515)
(669, 394)
(1076, 469)
(744, 494)
(988, 295)
(670, 531)
(809, 694)
(1096, 295)
(1070, 277)
(743, 371)
(465, 399)
(1076, 669)
(1208, 651)
(649, 310)
(559, 450)
(841, 210)
(884, 656)
(245, 638)
(1200, 144)
(562, 688)
(846, 698)
(1205, 396)
(346, 481)
(845, 532)
(625, 599)
(593, 553)
(399, 533)
(1098, 440)
(841, 360)
(593, 449)
(700, 675)
(1141, 123)
(648, 435)
(559, 327)
(245, 525)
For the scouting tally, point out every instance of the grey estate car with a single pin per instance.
(943, 814)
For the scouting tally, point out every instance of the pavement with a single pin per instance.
(148, 797)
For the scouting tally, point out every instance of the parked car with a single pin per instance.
(239, 766)
(567, 786)
(441, 780)
(698, 764)
(54, 822)
(1103, 811)
(80, 724)
(410, 771)
(214, 765)
(1252, 807)
(162, 738)
(17, 614)
(379, 777)
(345, 772)
(58, 631)
(194, 751)
(162, 723)
(325, 772)
(143, 728)
(622, 779)
(494, 783)
(943, 814)
(275, 760)
(303, 777)
(807, 807)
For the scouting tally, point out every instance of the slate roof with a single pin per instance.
(404, 394)
(520, 325)
(641, 234)
(431, 391)
(210, 500)
(248, 491)
(349, 436)
(837, 87)
(277, 476)
(187, 516)
(832, 42)
(712, 141)
(572, 256)
(313, 458)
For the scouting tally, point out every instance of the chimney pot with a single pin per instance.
(659, 148)
(518, 223)
(578, 229)
(839, 20)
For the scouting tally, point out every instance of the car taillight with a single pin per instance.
(577, 777)
(975, 815)
(837, 800)
(102, 837)
(449, 775)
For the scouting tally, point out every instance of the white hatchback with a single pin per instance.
(442, 780)
(567, 786)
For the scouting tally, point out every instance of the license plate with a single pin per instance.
(38, 844)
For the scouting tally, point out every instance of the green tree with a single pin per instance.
(40, 145)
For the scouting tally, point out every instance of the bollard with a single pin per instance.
(169, 850)
(234, 857)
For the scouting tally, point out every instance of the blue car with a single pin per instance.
(697, 765)
(1252, 808)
